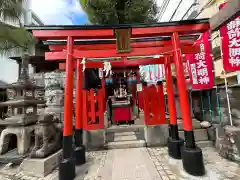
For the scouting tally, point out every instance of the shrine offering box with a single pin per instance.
(122, 112)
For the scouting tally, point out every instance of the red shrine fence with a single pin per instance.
(154, 106)
(93, 109)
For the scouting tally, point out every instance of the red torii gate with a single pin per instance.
(81, 46)
(191, 155)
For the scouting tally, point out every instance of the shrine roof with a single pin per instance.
(2, 83)
(18, 85)
(119, 26)
(58, 32)
(22, 102)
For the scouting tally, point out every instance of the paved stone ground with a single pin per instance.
(139, 164)
(217, 168)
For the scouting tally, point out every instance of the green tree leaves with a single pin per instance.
(120, 11)
(13, 37)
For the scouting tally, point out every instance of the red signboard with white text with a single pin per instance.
(201, 65)
(230, 35)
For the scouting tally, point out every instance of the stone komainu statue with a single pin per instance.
(47, 136)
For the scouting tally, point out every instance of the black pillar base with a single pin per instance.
(173, 131)
(78, 135)
(67, 169)
(192, 160)
(174, 147)
(67, 165)
(80, 154)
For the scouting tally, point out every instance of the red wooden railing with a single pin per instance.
(93, 109)
(154, 107)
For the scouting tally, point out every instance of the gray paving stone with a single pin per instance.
(140, 164)
(159, 167)
(172, 177)
(165, 178)
(168, 172)
(217, 168)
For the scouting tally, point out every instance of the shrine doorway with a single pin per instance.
(121, 96)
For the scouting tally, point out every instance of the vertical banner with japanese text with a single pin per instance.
(201, 65)
(230, 35)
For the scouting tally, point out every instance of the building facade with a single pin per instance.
(9, 69)
(177, 10)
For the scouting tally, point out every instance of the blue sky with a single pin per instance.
(69, 12)
(59, 12)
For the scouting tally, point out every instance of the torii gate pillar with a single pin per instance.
(174, 142)
(192, 157)
(67, 165)
(79, 147)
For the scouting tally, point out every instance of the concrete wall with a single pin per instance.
(218, 114)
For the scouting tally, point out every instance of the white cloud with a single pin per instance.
(55, 11)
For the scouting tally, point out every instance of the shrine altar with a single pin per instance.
(122, 111)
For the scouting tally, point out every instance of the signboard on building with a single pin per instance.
(201, 65)
(230, 35)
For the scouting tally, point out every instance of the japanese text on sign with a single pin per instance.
(233, 34)
(194, 74)
(201, 67)
(200, 64)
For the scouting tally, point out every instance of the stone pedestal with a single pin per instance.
(41, 167)
(94, 139)
(156, 135)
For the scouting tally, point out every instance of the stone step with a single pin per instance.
(120, 129)
(203, 144)
(125, 136)
(123, 140)
(141, 143)
(126, 144)
(128, 128)
(199, 134)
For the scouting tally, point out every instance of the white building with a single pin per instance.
(8, 67)
(176, 10)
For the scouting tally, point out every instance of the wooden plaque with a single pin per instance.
(123, 40)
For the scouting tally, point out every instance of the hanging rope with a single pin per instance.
(209, 104)
(218, 106)
(107, 68)
(202, 105)
(84, 64)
